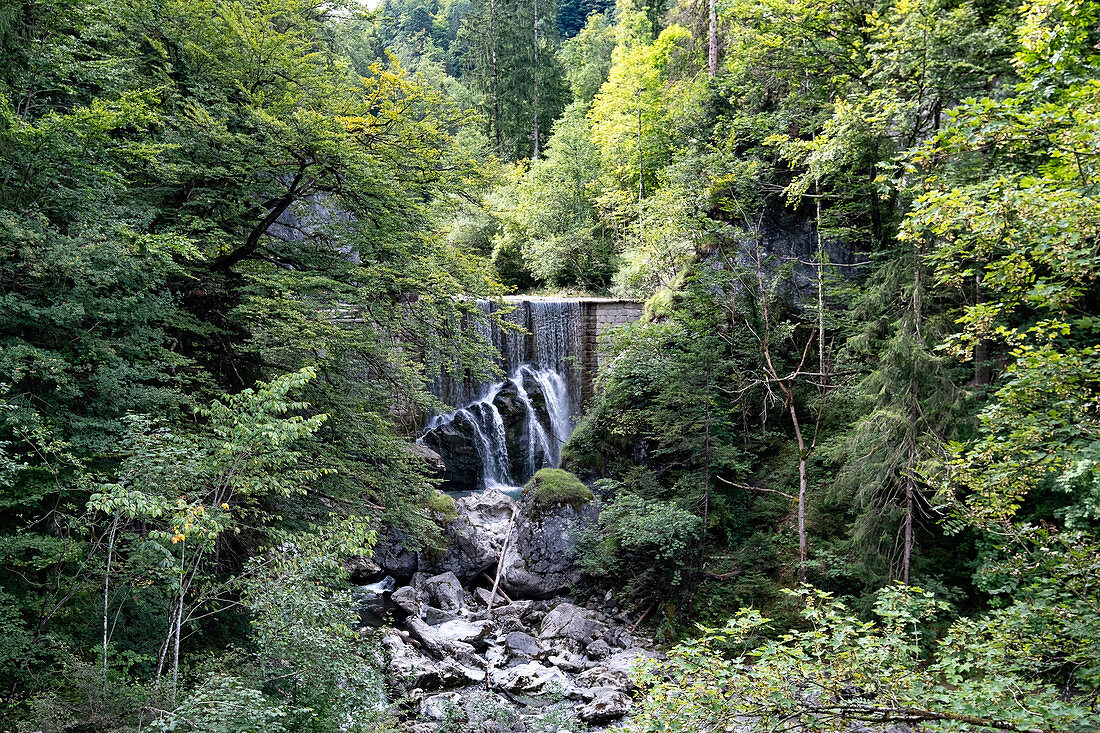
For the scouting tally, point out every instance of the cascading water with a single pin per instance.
(504, 432)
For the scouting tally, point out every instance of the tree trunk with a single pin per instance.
(803, 485)
(107, 596)
(496, 75)
(706, 472)
(712, 56)
(641, 179)
(179, 625)
(914, 418)
(535, 154)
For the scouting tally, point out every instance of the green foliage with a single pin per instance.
(840, 669)
(640, 539)
(552, 486)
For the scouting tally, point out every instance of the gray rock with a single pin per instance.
(435, 616)
(393, 555)
(445, 591)
(541, 558)
(570, 622)
(409, 600)
(520, 644)
(530, 677)
(442, 647)
(569, 662)
(475, 537)
(442, 706)
(598, 649)
(606, 705)
(620, 638)
(429, 457)
(473, 633)
(410, 669)
(615, 672)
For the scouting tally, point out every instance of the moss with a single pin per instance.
(557, 486)
(442, 504)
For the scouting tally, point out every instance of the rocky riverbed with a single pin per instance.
(525, 658)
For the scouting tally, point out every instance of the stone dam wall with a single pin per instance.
(597, 315)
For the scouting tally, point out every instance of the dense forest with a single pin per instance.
(847, 464)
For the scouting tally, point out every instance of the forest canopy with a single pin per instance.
(854, 435)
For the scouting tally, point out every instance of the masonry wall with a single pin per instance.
(597, 316)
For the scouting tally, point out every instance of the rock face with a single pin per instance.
(540, 561)
(541, 558)
(474, 538)
(559, 657)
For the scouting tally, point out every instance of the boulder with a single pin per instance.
(432, 460)
(571, 622)
(520, 644)
(618, 637)
(440, 646)
(393, 555)
(409, 600)
(531, 677)
(598, 649)
(607, 704)
(541, 558)
(474, 633)
(615, 672)
(475, 537)
(435, 616)
(445, 591)
(410, 669)
(442, 706)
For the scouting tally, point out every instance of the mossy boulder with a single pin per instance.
(555, 486)
(442, 506)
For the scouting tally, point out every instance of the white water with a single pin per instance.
(540, 395)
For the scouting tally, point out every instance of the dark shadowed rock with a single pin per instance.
(393, 555)
(520, 644)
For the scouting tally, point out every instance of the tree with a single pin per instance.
(513, 66)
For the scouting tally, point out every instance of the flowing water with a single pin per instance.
(505, 431)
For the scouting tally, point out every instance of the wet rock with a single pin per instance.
(570, 622)
(445, 591)
(520, 644)
(607, 704)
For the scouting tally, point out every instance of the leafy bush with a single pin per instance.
(638, 538)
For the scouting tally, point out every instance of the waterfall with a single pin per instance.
(503, 432)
